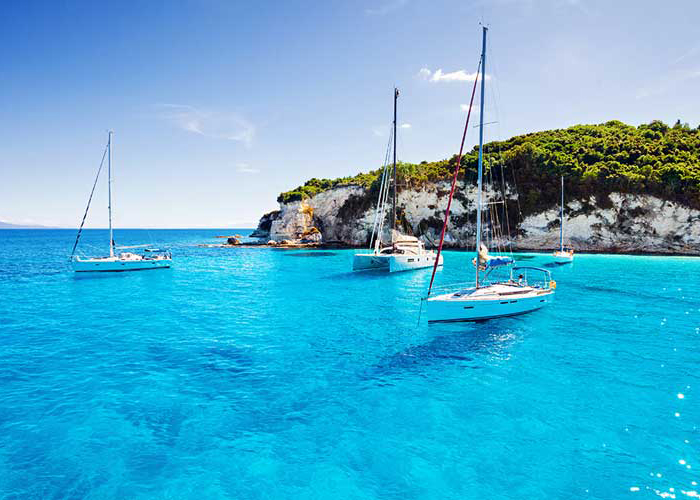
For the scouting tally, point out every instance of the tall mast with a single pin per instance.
(109, 189)
(561, 217)
(481, 151)
(393, 205)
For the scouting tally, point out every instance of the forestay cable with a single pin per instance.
(80, 229)
(454, 181)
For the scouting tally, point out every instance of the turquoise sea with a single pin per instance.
(262, 373)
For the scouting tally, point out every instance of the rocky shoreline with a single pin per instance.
(344, 246)
(622, 223)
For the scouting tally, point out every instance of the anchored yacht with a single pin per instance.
(403, 253)
(488, 297)
(565, 254)
(153, 258)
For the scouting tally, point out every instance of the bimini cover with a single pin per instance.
(487, 261)
(499, 261)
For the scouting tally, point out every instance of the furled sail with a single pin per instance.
(487, 261)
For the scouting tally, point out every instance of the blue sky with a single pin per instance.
(217, 106)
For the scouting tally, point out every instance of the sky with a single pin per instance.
(218, 106)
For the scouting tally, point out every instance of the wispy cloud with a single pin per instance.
(667, 82)
(536, 5)
(687, 54)
(455, 76)
(383, 130)
(383, 7)
(380, 130)
(244, 168)
(216, 124)
(465, 108)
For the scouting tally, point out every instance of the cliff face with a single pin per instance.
(628, 188)
(621, 223)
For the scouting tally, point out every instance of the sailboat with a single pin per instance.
(122, 261)
(404, 252)
(564, 255)
(488, 298)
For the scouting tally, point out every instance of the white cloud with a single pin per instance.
(455, 76)
(424, 73)
(385, 7)
(216, 124)
(405, 125)
(465, 108)
(244, 168)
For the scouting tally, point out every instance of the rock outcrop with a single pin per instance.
(625, 223)
(264, 225)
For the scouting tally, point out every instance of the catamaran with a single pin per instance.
(116, 262)
(565, 254)
(404, 252)
(488, 298)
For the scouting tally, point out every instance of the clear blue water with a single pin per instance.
(260, 373)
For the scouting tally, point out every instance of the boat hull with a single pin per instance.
(119, 266)
(407, 262)
(447, 309)
(563, 258)
(393, 263)
(370, 262)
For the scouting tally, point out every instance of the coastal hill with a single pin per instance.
(627, 189)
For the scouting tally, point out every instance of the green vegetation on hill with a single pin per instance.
(594, 159)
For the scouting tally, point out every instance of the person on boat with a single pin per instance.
(520, 279)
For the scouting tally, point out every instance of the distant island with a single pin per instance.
(628, 189)
(7, 225)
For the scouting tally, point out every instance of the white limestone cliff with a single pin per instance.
(634, 223)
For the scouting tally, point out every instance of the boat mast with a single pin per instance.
(109, 189)
(393, 206)
(561, 218)
(481, 151)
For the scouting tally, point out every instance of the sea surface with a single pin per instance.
(262, 373)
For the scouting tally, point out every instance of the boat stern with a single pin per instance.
(370, 262)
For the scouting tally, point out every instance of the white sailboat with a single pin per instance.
(116, 262)
(564, 255)
(404, 253)
(490, 298)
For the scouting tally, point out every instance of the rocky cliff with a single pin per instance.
(628, 189)
(624, 222)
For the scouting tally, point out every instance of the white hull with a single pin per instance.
(116, 265)
(370, 262)
(393, 262)
(490, 302)
(563, 257)
(408, 262)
